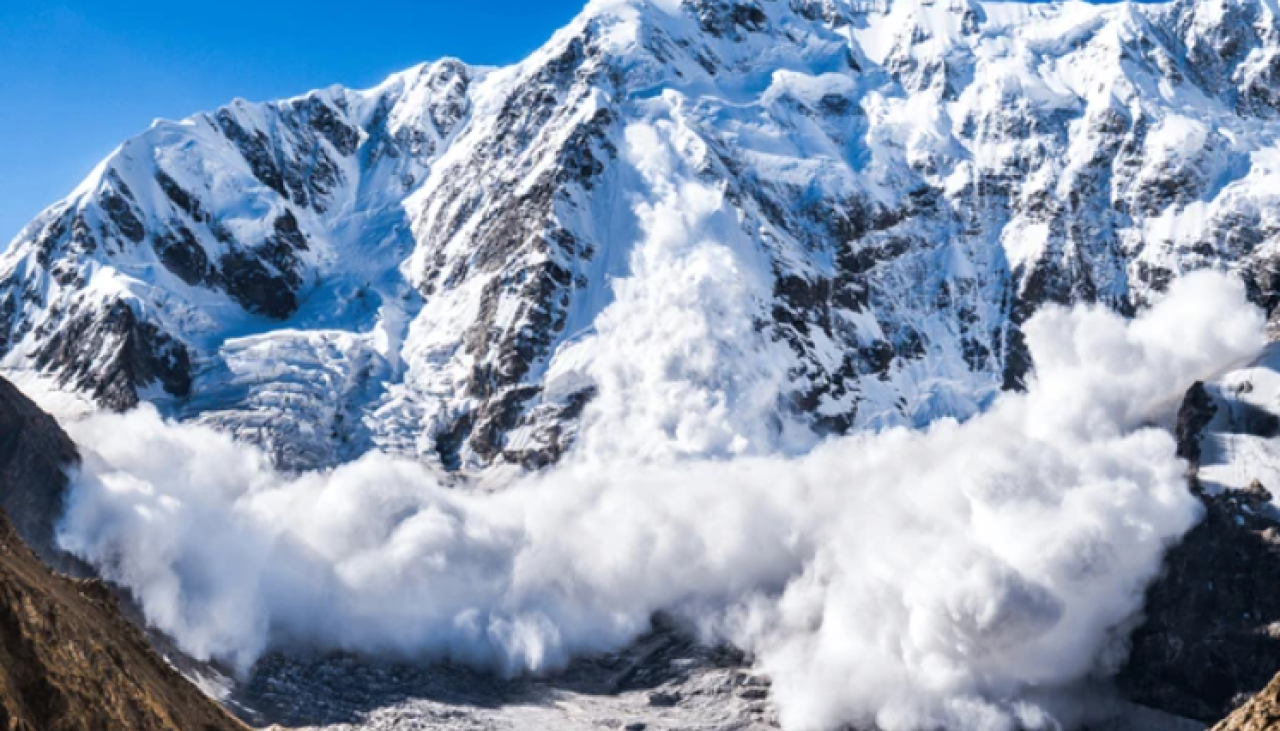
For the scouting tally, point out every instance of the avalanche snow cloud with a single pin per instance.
(914, 579)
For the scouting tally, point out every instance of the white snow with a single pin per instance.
(942, 145)
(764, 100)
(966, 622)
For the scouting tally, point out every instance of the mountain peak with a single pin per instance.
(905, 183)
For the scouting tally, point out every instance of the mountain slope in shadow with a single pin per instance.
(69, 660)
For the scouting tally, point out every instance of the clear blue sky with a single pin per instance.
(77, 77)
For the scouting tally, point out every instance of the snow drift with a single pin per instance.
(915, 579)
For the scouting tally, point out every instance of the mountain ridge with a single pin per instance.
(422, 267)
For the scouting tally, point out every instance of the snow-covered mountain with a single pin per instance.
(853, 202)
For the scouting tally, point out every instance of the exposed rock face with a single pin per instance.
(1212, 632)
(69, 661)
(1260, 714)
(1194, 416)
(34, 456)
(111, 352)
(408, 267)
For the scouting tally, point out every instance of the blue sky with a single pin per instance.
(77, 77)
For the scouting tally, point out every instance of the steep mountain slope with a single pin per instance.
(851, 206)
(68, 658)
(228, 225)
(34, 456)
(1212, 632)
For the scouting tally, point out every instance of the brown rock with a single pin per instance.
(1260, 714)
(69, 661)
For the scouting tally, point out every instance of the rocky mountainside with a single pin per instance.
(69, 660)
(1211, 637)
(861, 199)
(34, 456)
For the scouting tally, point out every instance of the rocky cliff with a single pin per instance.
(34, 456)
(69, 660)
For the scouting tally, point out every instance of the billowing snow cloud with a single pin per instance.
(915, 579)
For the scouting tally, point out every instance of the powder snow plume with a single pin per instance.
(952, 577)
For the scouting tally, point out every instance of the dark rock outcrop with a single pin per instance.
(34, 454)
(1212, 631)
(112, 353)
(1194, 416)
(69, 659)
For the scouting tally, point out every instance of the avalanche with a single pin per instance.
(966, 576)
(716, 300)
